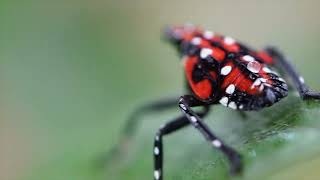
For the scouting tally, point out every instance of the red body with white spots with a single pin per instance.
(221, 70)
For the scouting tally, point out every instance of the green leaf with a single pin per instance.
(280, 142)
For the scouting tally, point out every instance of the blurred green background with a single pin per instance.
(72, 71)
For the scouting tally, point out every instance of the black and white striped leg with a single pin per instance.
(298, 81)
(166, 129)
(188, 101)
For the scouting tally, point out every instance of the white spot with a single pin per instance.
(266, 84)
(157, 138)
(248, 58)
(156, 151)
(196, 41)
(208, 34)
(257, 82)
(230, 89)
(226, 70)
(205, 52)
(224, 101)
(301, 79)
(254, 66)
(183, 106)
(281, 79)
(229, 40)
(232, 105)
(263, 80)
(266, 69)
(193, 119)
(261, 87)
(156, 174)
(241, 106)
(216, 143)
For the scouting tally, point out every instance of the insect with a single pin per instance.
(221, 70)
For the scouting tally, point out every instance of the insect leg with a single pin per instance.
(188, 101)
(284, 63)
(131, 125)
(166, 129)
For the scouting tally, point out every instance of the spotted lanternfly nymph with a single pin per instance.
(221, 70)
